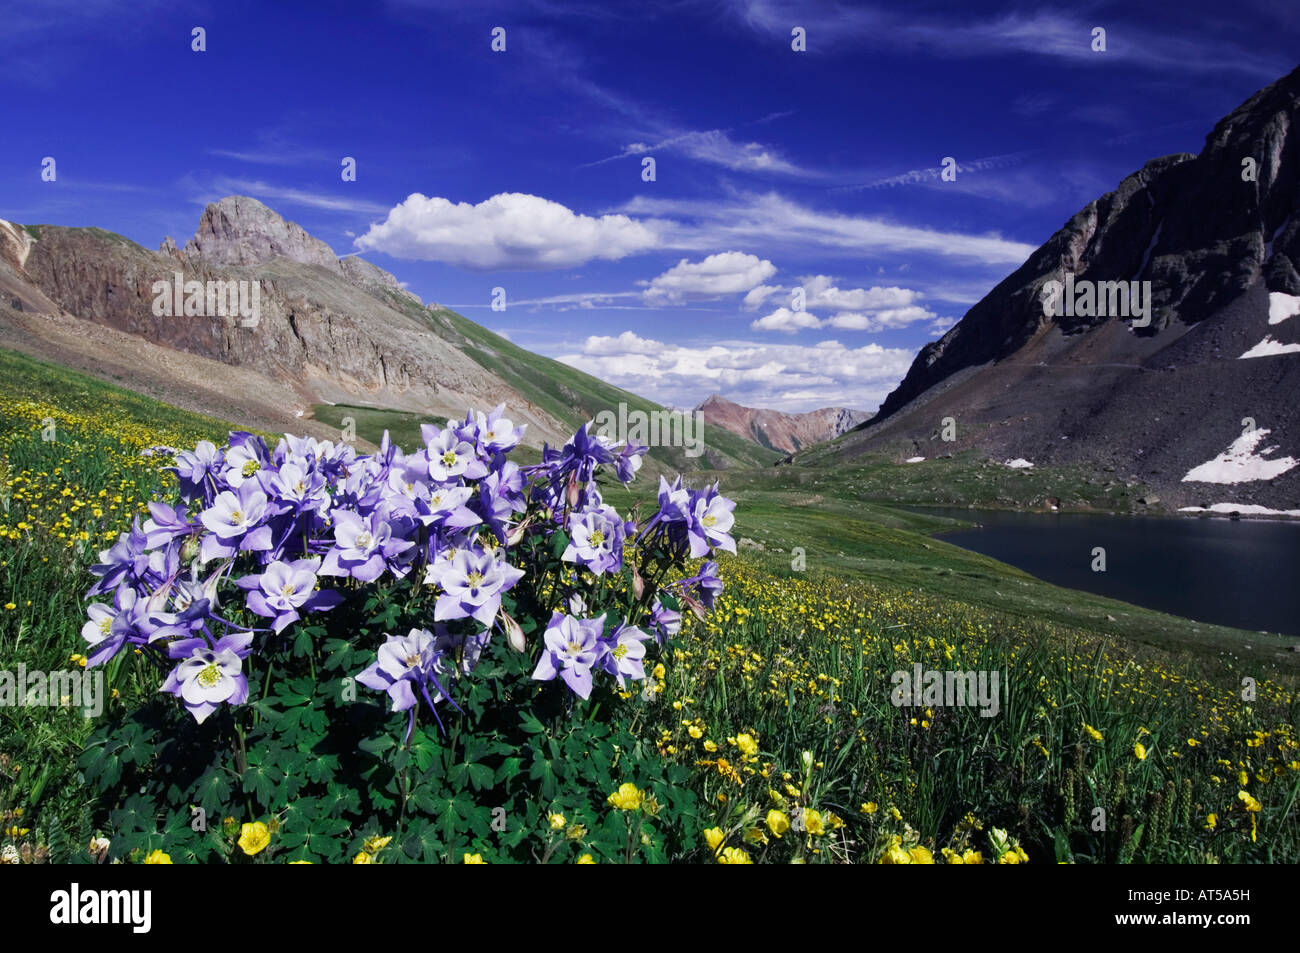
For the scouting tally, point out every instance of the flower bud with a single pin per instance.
(638, 584)
(574, 490)
(513, 632)
(25, 852)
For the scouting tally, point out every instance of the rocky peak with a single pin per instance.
(239, 230)
(777, 429)
(1193, 226)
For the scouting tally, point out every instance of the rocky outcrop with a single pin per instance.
(777, 430)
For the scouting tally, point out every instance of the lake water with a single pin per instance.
(1244, 574)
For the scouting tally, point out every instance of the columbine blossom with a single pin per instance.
(711, 518)
(624, 654)
(497, 433)
(472, 583)
(126, 562)
(197, 470)
(705, 585)
(284, 589)
(166, 523)
(665, 622)
(235, 522)
(406, 665)
(571, 647)
(364, 547)
(209, 675)
(596, 540)
(451, 457)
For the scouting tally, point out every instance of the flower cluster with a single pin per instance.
(276, 534)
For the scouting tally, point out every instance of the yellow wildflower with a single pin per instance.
(254, 837)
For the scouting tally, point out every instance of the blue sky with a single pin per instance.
(775, 169)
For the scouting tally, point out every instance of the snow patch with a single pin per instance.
(915, 459)
(1019, 463)
(1240, 463)
(1245, 509)
(1269, 348)
(1282, 306)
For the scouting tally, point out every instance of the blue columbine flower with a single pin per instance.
(209, 675)
(596, 540)
(282, 589)
(472, 583)
(406, 665)
(571, 647)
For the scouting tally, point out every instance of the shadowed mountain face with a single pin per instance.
(327, 330)
(1218, 238)
(777, 430)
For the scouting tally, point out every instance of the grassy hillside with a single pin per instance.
(779, 700)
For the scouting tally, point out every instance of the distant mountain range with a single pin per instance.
(328, 331)
(777, 430)
(1208, 388)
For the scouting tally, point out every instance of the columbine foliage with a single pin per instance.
(439, 647)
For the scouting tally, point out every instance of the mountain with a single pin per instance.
(776, 430)
(326, 331)
(1214, 378)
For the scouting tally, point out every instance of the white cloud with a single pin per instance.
(884, 320)
(768, 219)
(822, 293)
(275, 194)
(783, 376)
(715, 147)
(626, 343)
(510, 230)
(755, 297)
(725, 273)
(783, 319)
(1062, 36)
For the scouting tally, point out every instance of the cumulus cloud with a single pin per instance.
(820, 292)
(784, 377)
(884, 320)
(626, 343)
(511, 230)
(783, 319)
(856, 309)
(755, 297)
(725, 273)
